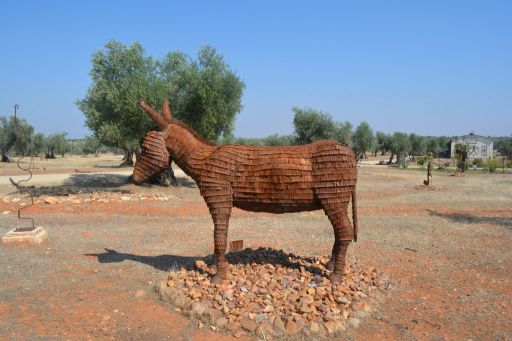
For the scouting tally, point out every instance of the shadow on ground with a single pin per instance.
(97, 180)
(471, 219)
(247, 256)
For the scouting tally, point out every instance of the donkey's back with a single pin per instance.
(284, 179)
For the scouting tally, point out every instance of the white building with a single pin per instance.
(479, 147)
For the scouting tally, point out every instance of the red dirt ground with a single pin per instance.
(447, 256)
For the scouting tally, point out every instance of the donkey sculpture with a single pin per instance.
(320, 175)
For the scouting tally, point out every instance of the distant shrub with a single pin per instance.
(421, 161)
(405, 164)
(490, 165)
(509, 164)
(478, 162)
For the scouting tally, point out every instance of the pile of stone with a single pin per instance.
(274, 294)
(430, 188)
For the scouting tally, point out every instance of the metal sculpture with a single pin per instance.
(320, 175)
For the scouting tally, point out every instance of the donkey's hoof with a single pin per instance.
(330, 265)
(334, 278)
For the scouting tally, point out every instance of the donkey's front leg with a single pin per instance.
(220, 212)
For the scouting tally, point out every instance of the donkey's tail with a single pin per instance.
(354, 214)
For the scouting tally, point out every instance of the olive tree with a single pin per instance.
(312, 125)
(399, 144)
(362, 139)
(121, 76)
(205, 93)
(15, 133)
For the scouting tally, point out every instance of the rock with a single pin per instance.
(238, 334)
(232, 326)
(362, 314)
(304, 309)
(221, 322)
(253, 307)
(211, 315)
(330, 326)
(268, 309)
(140, 293)
(201, 265)
(125, 198)
(160, 287)
(194, 293)
(343, 300)
(265, 329)
(291, 328)
(6, 212)
(197, 309)
(260, 318)
(244, 289)
(248, 324)
(49, 200)
(314, 327)
(181, 300)
(324, 308)
(279, 326)
(339, 326)
(353, 322)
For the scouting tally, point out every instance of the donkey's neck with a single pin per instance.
(184, 147)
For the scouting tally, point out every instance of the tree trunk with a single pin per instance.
(167, 178)
(5, 157)
(391, 158)
(127, 158)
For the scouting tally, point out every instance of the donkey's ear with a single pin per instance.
(166, 110)
(159, 120)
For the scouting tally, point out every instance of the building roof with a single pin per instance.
(472, 138)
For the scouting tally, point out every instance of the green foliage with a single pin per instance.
(248, 141)
(418, 145)
(443, 142)
(14, 134)
(478, 162)
(362, 139)
(312, 125)
(91, 145)
(433, 146)
(278, 140)
(490, 165)
(271, 140)
(56, 144)
(383, 142)
(343, 132)
(38, 144)
(504, 146)
(400, 144)
(461, 155)
(121, 75)
(421, 161)
(205, 93)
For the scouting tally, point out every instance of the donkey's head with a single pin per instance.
(154, 157)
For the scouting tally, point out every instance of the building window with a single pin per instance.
(484, 150)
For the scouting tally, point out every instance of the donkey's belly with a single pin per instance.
(277, 207)
(278, 197)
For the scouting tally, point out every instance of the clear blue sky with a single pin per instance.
(429, 67)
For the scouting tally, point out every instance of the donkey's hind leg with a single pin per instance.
(343, 234)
